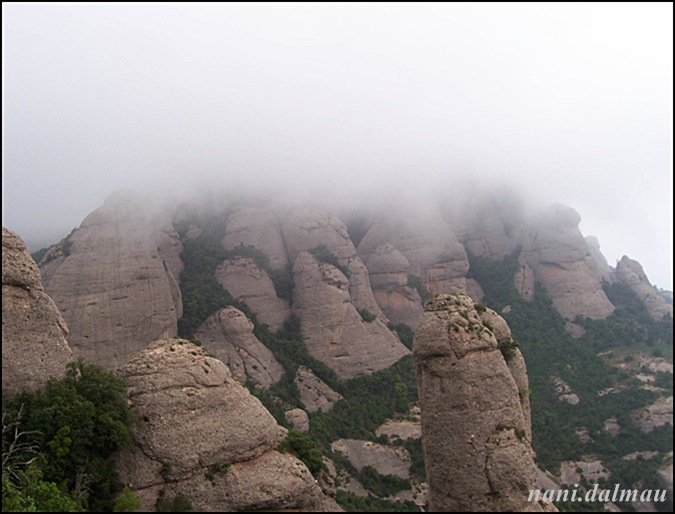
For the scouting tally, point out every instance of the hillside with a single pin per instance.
(315, 311)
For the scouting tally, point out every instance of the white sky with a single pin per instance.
(570, 103)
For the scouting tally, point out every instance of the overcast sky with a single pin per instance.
(570, 103)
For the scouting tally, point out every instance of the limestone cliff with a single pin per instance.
(334, 331)
(630, 273)
(205, 436)
(34, 345)
(112, 285)
(474, 431)
(228, 335)
(556, 255)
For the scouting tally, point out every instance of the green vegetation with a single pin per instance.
(551, 352)
(37, 256)
(405, 334)
(352, 503)
(323, 254)
(416, 283)
(382, 485)
(304, 448)
(179, 503)
(368, 402)
(367, 316)
(57, 449)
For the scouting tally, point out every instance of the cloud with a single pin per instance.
(568, 103)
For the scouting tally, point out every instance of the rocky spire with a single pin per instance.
(475, 431)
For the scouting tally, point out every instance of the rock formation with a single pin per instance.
(427, 242)
(260, 228)
(603, 267)
(112, 286)
(248, 282)
(335, 332)
(34, 345)
(314, 393)
(474, 431)
(204, 436)
(389, 279)
(228, 335)
(630, 273)
(556, 255)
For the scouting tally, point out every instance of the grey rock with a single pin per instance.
(474, 432)
(248, 282)
(298, 419)
(113, 288)
(315, 394)
(228, 335)
(630, 273)
(335, 332)
(34, 344)
(559, 258)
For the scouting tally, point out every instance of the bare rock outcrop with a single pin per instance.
(427, 242)
(307, 227)
(315, 394)
(228, 335)
(260, 228)
(386, 460)
(298, 418)
(514, 360)
(335, 332)
(593, 245)
(112, 286)
(34, 345)
(474, 432)
(248, 282)
(630, 273)
(389, 279)
(556, 255)
(205, 436)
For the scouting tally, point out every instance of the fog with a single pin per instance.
(567, 103)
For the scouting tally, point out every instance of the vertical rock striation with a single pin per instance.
(557, 255)
(474, 430)
(34, 345)
(112, 285)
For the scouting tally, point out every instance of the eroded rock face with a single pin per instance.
(307, 227)
(389, 279)
(429, 245)
(315, 394)
(34, 345)
(260, 228)
(248, 282)
(630, 273)
(474, 432)
(112, 286)
(386, 460)
(205, 436)
(556, 255)
(335, 332)
(228, 335)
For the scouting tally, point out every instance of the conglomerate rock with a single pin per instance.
(204, 436)
(112, 286)
(474, 432)
(34, 345)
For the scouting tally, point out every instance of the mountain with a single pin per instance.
(314, 311)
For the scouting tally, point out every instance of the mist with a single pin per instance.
(344, 104)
